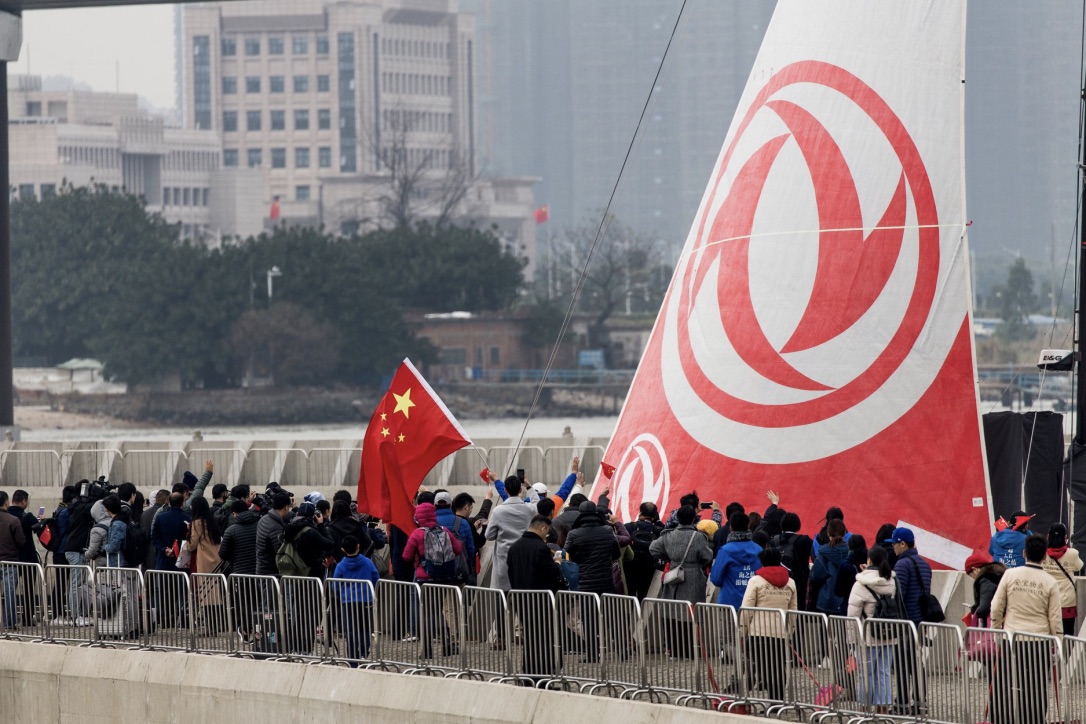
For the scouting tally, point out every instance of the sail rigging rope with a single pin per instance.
(605, 221)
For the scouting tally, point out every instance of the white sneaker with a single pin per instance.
(61, 621)
(409, 638)
(83, 621)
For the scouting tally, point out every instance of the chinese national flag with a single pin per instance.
(410, 432)
(274, 211)
(542, 214)
(608, 470)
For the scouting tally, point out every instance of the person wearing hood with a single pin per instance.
(1010, 540)
(986, 575)
(355, 599)
(593, 545)
(99, 534)
(433, 620)
(1063, 563)
(736, 562)
(874, 581)
(831, 556)
(770, 588)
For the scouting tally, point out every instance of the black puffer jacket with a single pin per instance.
(592, 545)
(239, 544)
(340, 529)
(269, 536)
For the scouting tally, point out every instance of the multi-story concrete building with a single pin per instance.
(84, 137)
(347, 105)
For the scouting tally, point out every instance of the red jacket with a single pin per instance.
(425, 517)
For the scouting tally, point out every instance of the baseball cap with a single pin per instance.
(443, 498)
(902, 535)
(540, 488)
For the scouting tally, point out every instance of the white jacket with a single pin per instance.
(861, 600)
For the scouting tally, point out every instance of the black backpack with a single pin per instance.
(136, 542)
(788, 550)
(887, 608)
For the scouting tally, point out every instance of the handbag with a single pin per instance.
(676, 575)
(931, 611)
(184, 556)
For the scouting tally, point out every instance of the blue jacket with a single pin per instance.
(358, 568)
(815, 546)
(114, 547)
(905, 571)
(827, 567)
(169, 525)
(735, 563)
(1008, 547)
(447, 518)
(563, 492)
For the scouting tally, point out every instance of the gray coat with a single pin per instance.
(670, 547)
(507, 524)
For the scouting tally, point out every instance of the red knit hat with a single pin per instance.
(976, 560)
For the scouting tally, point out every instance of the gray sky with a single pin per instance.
(90, 44)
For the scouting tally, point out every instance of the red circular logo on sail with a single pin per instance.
(643, 477)
(854, 261)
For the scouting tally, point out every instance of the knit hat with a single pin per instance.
(709, 528)
(189, 480)
(306, 510)
(976, 560)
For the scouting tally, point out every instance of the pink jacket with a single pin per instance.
(425, 517)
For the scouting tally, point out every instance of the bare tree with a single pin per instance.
(626, 273)
(417, 178)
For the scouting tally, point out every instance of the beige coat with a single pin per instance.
(1072, 564)
(1028, 601)
(206, 554)
(861, 601)
(761, 593)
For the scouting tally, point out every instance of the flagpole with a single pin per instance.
(486, 463)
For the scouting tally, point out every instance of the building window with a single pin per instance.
(230, 157)
(301, 193)
(229, 121)
(275, 46)
(279, 158)
(165, 195)
(176, 196)
(301, 120)
(185, 198)
(324, 119)
(324, 83)
(26, 192)
(324, 156)
(252, 46)
(201, 85)
(255, 157)
(252, 84)
(495, 356)
(48, 191)
(252, 120)
(322, 45)
(301, 158)
(301, 84)
(276, 83)
(348, 104)
(229, 85)
(229, 46)
(301, 44)
(278, 120)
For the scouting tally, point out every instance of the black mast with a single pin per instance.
(1080, 360)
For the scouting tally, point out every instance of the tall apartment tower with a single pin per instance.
(563, 84)
(312, 90)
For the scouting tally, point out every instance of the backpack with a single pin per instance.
(788, 550)
(289, 561)
(48, 532)
(438, 559)
(222, 517)
(463, 566)
(888, 608)
(136, 542)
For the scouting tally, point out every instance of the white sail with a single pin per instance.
(816, 336)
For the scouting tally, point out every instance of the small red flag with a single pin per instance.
(45, 536)
(542, 214)
(274, 212)
(485, 475)
(176, 550)
(410, 432)
(608, 470)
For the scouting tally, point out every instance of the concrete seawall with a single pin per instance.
(48, 683)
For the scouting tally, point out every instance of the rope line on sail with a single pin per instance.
(605, 221)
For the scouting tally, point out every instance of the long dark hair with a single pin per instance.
(201, 510)
(881, 561)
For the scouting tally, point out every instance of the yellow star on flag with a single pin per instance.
(401, 438)
(384, 432)
(403, 403)
(384, 416)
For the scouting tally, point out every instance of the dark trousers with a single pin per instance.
(906, 676)
(356, 622)
(539, 657)
(1021, 696)
(769, 658)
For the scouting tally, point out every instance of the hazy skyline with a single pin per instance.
(98, 46)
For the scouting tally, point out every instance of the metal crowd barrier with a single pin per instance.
(788, 665)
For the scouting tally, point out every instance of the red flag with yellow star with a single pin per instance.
(410, 432)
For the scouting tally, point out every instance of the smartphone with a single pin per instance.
(520, 474)
(41, 510)
(706, 506)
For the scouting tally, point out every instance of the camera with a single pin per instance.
(97, 490)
